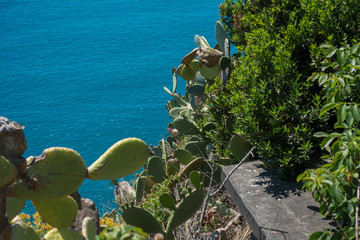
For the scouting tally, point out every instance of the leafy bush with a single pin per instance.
(336, 183)
(273, 105)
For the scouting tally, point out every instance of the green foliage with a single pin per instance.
(268, 96)
(335, 184)
(122, 232)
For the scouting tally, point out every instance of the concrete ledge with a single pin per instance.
(275, 209)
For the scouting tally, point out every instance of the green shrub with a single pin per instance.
(335, 184)
(273, 105)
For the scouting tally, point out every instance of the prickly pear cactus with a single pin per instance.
(63, 234)
(123, 158)
(55, 165)
(48, 179)
(156, 169)
(186, 126)
(8, 171)
(20, 230)
(141, 218)
(59, 213)
(186, 209)
(88, 229)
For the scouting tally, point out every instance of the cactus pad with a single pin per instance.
(175, 112)
(141, 218)
(196, 148)
(167, 201)
(197, 90)
(172, 167)
(184, 156)
(209, 72)
(88, 229)
(14, 206)
(122, 159)
(195, 179)
(156, 169)
(194, 165)
(221, 35)
(186, 209)
(8, 171)
(21, 231)
(201, 41)
(187, 73)
(195, 65)
(63, 234)
(189, 57)
(139, 187)
(58, 172)
(59, 213)
(224, 62)
(186, 126)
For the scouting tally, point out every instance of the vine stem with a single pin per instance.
(357, 211)
(209, 195)
(332, 215)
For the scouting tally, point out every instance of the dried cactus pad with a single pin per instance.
(122, 159)
(57, 173)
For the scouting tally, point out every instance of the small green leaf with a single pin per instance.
(330, 51)
(354, 49)
(340, 57)
(316, 235)
(335, 192)
(327, 141)
(327, 107)
(321, 134)
(341, 113)
(355, 113)
(354, 66)
(326, 46)
(322, 79)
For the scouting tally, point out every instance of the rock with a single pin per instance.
(12, 139)
(87, 208)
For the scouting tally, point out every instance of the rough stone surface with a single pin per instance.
(275, 209)
(87, 208)
(12, 139)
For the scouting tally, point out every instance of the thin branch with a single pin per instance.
(232, 171)
(208, 194)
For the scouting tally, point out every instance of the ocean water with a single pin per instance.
(84, 74)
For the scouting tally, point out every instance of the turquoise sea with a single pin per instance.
(84, 74)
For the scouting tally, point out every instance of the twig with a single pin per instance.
(208, 194)
(232, 171)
